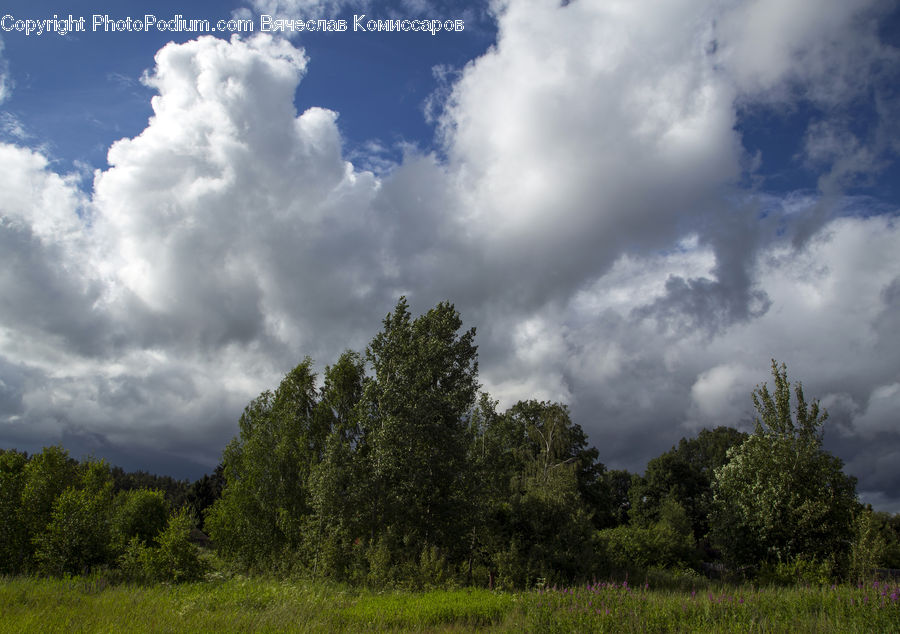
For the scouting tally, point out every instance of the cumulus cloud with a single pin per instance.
(587, 213)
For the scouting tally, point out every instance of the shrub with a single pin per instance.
(800, 570)
(176, 559)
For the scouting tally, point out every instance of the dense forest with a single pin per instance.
(396, 469)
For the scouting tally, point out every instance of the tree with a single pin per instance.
(171, 558)
(46, 476)
(77, 537)
(685, 474)
(336, 482)
(416, 431)
(14, 546)
(203, 493)
(266, 501)
(868, 546)
(140, 513)
(540, 475)
(781, 496)
(618, 483)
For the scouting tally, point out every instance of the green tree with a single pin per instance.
(77, 537)
(416, 431)
(535, 463)
(336, 479)
(666, 543)
(140, 513)
(868, 546)
(47, 475)
(14, 546)
(685, 474)
(204, 492)
(177, 559)
(260, 519)
(173, 559)
(781, 496)
(618, 483)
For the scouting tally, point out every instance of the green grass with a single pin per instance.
(263, 605)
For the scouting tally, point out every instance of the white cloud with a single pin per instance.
(824, 48)
(720, 393)
(883, 411)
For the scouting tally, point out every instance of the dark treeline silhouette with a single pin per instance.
(398, 470)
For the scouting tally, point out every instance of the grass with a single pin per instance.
(240, 604)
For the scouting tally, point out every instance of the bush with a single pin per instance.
(800, 570)
(176, 559)
(660, 545)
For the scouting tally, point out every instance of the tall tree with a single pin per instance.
(265, 503)
(416, 429)
(338, 484)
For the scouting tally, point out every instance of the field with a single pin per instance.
(90, 604)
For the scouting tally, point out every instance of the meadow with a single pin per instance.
(242, 604)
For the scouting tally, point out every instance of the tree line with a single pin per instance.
(400, 470)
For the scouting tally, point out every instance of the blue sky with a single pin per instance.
(638, 206)
(81, 92)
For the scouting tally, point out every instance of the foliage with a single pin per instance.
(798, 571)
(868, 546)
(77, 536)
(889, 528)
(335, 480)
(174, 560)
(266, 498)
(14, 546)
(204, 492)
(618, 484)
(177, 559)
(47, 475)
(781, 496)
(666, 543)
(176, 491)
(685, 475)
(415, 430)
(138, 513)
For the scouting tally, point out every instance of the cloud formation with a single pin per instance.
(588, 212)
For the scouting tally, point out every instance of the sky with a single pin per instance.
(637, 204)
